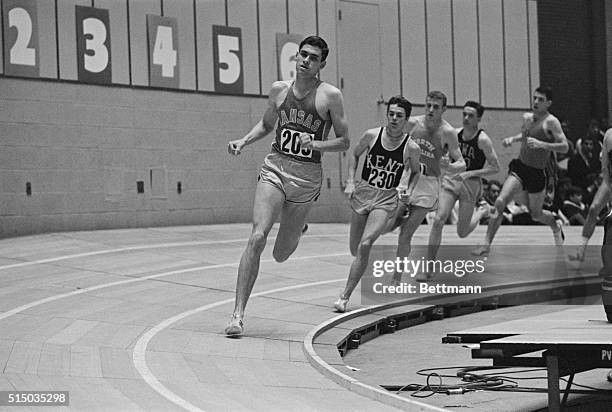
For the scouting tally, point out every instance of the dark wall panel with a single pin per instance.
(571, 50)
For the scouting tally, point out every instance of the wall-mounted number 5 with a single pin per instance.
(163, 51)
(227, 48)
(20, 38)
(93, 45)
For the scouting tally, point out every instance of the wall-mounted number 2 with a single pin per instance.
(20, 37)
(21, 53)
(93, 45)
(227, 50)
(163, 51)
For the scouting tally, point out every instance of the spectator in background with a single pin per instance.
(563, 185)
(490, 194)
(573, 208)
(594, 130)
(584, 163)
(604, 124)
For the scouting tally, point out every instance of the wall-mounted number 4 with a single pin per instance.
(164, 53)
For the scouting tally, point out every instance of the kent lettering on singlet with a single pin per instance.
(383, 168)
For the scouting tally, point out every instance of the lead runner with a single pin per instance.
(303, 112)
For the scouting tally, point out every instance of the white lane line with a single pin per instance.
(136, 248)
(140, 349)
(140, 279)
(117, 250)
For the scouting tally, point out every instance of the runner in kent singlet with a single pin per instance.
(374, 197)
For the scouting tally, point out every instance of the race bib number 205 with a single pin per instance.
(290, 143)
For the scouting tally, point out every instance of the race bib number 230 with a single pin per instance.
(290, 143)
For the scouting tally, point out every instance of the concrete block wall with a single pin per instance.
(83, 148)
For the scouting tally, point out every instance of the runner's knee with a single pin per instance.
(365, 245)
(594, 210)
(257, 241)
(405, 234)
(500, 204)
(537, 214)
(462, 231)
(280, 254)
(438, 221)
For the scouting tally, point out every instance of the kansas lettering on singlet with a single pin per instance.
(472, 154)
(296, 116)
(383, 168)
(536, 158)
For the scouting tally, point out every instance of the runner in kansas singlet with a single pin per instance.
(382, 168)
(473, 156)
(297, 116)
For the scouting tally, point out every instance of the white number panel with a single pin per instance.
(286, 49)
(20, 25)
(93, 45)
(227, 57)
(163, 51)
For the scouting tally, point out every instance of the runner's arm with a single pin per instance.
(339, 122)
(492, 167)
(458, 164)
(264, 126)
(606, 156)
(553, 126)
(412, 155)
(353, 158)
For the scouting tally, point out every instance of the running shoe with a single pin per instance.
(341, 304)
(235, 327)
(579, 255)
(558, 235)
(482, 250)
(305, 228)
(423, 277)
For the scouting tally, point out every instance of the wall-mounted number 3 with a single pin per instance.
(95, 34)
(94, 61)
